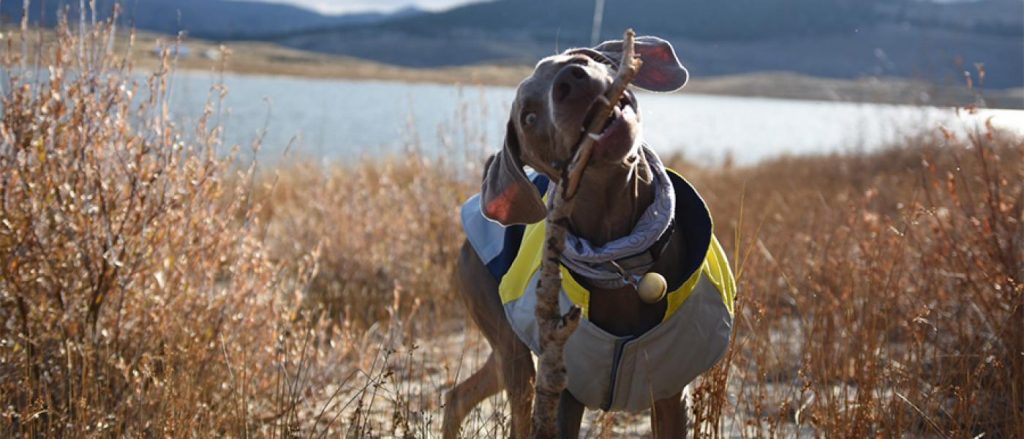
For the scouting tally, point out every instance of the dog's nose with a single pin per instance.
(572, 81)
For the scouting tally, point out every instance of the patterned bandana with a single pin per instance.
(623, 261)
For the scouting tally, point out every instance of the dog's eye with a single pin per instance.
(529, 119)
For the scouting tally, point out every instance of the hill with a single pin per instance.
(838, 39)
(917, 40)
(210, 19)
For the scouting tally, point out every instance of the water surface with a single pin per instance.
(339, 119)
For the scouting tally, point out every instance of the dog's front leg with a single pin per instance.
(668, 417)
(570, 415)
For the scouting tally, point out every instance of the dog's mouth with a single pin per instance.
(618, 130)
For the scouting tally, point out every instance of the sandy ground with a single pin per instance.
(391, 383)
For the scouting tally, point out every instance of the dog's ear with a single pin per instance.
(508, 196)
(661, 70)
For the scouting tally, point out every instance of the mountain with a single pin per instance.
(914, 39)
(209, 19)
(932, 40)
(514, 30)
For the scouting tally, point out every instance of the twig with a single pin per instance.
(930, 422)
(555, 328)
(628, 68)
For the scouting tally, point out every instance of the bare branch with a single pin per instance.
(555, 329)
(628, 68)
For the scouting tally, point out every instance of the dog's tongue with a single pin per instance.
(618, 134)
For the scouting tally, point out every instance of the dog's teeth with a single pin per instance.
(594, 136)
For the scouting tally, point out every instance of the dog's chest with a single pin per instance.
(621, 312)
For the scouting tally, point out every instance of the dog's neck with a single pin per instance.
(611, 200)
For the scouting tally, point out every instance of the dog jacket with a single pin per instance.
(606, 371)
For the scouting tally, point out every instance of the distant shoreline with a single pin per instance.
(269, 59)
(258, 58)
(777, 85)
(768, 85)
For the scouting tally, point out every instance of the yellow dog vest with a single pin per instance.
(625, 373)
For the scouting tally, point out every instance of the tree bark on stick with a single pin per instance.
(555, 329)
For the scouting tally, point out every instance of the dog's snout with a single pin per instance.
(572, 81)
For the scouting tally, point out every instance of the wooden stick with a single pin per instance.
(628, 68)
(555, 328)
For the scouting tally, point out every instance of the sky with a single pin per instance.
(346, 6)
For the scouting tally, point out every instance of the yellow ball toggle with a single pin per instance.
(652, 287)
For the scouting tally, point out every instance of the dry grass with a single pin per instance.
(135, 297)
(378, 227)
(153, 284)
(881, 293)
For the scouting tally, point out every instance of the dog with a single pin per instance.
(631, 216)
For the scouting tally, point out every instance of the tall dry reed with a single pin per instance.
(135, 297)
(880, 294)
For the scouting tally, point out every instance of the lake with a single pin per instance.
(341, 120)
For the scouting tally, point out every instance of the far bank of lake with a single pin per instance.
(343, 119)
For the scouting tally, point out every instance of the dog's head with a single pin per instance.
(551, 111)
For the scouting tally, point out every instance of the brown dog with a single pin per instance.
(550, 110)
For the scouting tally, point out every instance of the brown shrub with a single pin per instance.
(136, 299)
(880, 294)
(378, 226)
